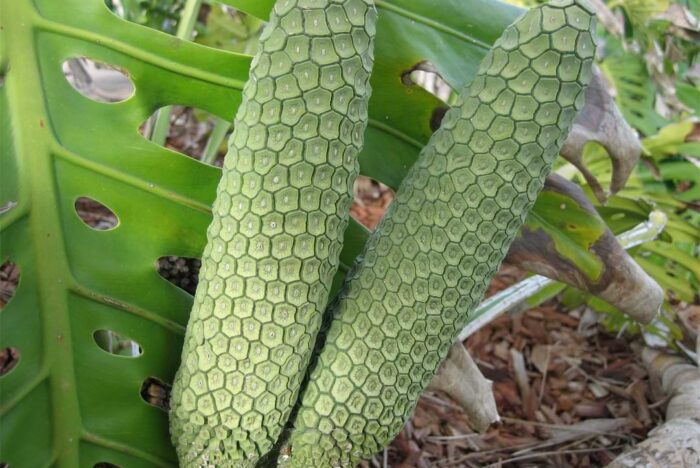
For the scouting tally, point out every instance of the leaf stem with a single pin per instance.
(217, 136)
(185, 27)
(515, 295)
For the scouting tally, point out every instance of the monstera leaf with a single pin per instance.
(67, 402)
(635, 90)
(71, 399)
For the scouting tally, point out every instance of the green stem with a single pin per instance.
(188, 19)
(184, 31)
(222, 126)
(218, 134)
(161, 126)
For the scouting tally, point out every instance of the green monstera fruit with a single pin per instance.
(430, 260)
(279, 218)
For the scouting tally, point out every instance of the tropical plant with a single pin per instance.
(92, 333)
(649, 52)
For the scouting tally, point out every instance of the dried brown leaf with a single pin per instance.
(601, 121)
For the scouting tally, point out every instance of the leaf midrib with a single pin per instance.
(128, 179)
(35, 169)
(37, 150)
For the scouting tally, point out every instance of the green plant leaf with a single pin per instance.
(571, 229)
(68, 402)
(673, 174)
(667, 141)
(690, 149)
(566, 240)
(237, 33)
(259, 8)
(681, 289)
(641, 11)
(635, 90)
(689, 95)
(679, 256)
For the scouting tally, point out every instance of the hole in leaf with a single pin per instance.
(156, 393)
(105, 465)
(436, 117)
(158, 14)
(9, 358)
(95, 214)
(227, 28)
(426, 75)
(190, 131)
(117, 344)
(217, 25)
(371, 200)
(5, 208)
(9, 280)
(183, 272)
(98, 81)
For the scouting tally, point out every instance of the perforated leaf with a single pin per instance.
(67, 401)
(82, 405)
